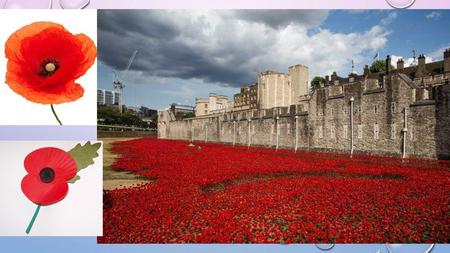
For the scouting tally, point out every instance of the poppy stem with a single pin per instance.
(56, 116)
(32, 219)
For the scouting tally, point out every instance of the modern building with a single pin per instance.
(247, 98)
(253, 96)
(107, 97)
(242, 99)
(213, 104)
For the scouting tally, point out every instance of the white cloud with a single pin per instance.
(233, 50)
(438, 54)
(433, 15)
(408, 61)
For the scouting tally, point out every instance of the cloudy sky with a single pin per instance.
(183, 54)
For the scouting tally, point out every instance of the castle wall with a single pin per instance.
(378, 117)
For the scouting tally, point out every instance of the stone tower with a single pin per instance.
(447, 60)
(299, 82)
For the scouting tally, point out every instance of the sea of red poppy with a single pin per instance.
(213, 193)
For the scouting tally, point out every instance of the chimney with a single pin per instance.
(333, 76)
(388, 64)
(421, 60)
(421, 69)
(447, 60)
(400, 64)
(366, 70)
(327, 80)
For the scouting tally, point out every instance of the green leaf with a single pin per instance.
(84, 156)
(74, 179)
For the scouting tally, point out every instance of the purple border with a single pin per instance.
(35, 133)
(238, 4)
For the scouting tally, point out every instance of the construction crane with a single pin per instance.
(118, 84)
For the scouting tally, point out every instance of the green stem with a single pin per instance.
(32, 219)
(56, 116)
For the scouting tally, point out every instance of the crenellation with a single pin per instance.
(322, 120)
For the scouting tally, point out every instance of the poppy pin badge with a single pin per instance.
(50, 170)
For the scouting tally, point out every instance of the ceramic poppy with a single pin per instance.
(44, 60)
(48, 169)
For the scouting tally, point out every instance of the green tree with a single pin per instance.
(189, 115)
(379, 66)
(315, 82)
(110, 116)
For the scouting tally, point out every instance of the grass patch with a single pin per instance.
(109, 158)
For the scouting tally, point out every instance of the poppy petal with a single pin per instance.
(52, 95)
(42, 193)
(35, 45)
(13, 44)
(59, 160)
(90, 52)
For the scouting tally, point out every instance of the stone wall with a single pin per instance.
(325, 124)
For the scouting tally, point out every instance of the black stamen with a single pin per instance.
(47, 175)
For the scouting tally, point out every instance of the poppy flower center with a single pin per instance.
(47, 175)
(48, 67)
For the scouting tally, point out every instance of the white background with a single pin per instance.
(78, 214)
(15, 109)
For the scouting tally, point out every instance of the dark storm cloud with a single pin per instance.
(280, 18)
(168, 43)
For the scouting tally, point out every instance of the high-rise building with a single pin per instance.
(107, 97)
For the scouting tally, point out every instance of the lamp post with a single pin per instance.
(296, 133)
(249, 133)
(234, 133)
(352, 99)
(404, 131)
(277, 132)
(192, 131)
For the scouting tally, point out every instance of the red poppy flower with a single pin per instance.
(44, 60)
(48, 169)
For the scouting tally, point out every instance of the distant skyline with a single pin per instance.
(186, 54)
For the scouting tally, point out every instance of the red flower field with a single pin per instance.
(214, 193)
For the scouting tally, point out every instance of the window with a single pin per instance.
(320, 129)
(345, 132)
(332, 133)
(393, 105)
(331, 111)
(393, 131)
(360, 131)
(206, 105)
(375, 109)
(376, 131)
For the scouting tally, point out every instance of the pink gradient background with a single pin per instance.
(237, 4)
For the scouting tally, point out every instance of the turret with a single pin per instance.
(447, 60)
